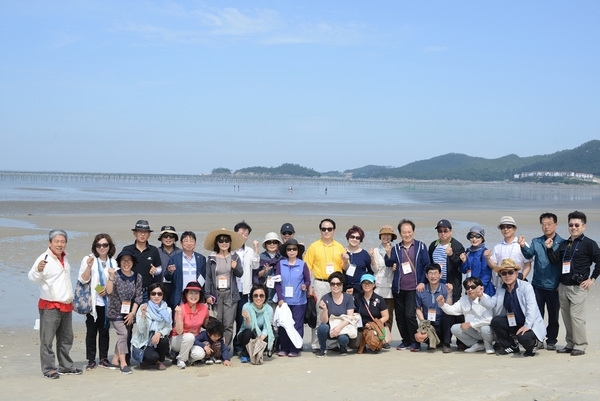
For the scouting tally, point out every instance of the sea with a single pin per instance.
(23, 193)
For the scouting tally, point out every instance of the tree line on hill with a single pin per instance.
(455, 166)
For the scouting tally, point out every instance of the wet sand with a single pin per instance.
(390, 375)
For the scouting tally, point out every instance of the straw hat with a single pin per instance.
(388, 230)
(507, 264)
(236, 239)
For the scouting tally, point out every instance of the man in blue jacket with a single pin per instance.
(185, 266)
(408, 260)
(546, 275)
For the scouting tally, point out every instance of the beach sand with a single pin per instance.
(389, 375)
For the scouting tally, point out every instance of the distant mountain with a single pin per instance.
(455, 166)
(284, 169)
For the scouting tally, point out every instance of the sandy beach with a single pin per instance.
(389, 375)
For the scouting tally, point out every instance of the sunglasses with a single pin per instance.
(576, 225)
(258, 296)
(507, 272)
(506, 227)
(476, 236)
(103, 245)
(156, 294)
(356, 237)
(443, 231)
(294, 249)
(470, 287)
(223, 241)
(272, 243)
(335, 284)
(326, 229)
(287, 233)
(168, 236)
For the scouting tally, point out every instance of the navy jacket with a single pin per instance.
(177, 276)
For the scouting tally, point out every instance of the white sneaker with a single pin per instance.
(180, 364)
(217, 360)
(490, 351)
(209, 361)
(475, 348)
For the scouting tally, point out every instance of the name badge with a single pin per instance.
(222, 282)
(566, 268)
(270, 282)
(351, 270)
(431, 314)
(329, 268)
(406, 269)
(512, 322)
(289, 291)
(125, 307)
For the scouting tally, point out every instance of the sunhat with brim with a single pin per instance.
(170, 230)
(291, 241)
(477, 230)
(388, 230)
(367, 277)
(507, 264)
(126, 252)
(272, 236)
(142, 225)
(193, 286)
(236, 239)
(508, 220)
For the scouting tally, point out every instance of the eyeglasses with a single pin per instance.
(323, 229)
(506, 227)
(168, 236)
(291, 249)
(103, 245)
(507, 272)
(156, 294)
(272, 243)
(335, 284)
(476, 236)
(356, 237)
(258, 296)
(576, 225)
(223, 240)
(444, 231)
(470, 287)
(287, 233)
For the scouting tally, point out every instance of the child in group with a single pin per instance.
(212, 342)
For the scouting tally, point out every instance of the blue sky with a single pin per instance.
(184, 87)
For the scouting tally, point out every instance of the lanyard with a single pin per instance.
(574, 250)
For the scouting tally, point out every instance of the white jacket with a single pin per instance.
(383, 274)
(95, 278)
(54, 280)
(250, 261)
(474, 312)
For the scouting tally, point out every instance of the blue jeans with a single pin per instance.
(323, 335)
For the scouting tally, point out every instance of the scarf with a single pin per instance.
(267, 311)
(158, 313)
(474, 248)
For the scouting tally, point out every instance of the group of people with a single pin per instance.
(170, 302)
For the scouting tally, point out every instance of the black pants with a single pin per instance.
(549, 299)
(443, 329)
(244, 338)
(504, 334)
(405, 305)
(99, 328)
(158, 354)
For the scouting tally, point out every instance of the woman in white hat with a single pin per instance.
(223, 266)
(268, 260)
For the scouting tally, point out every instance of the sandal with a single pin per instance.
(52, 375)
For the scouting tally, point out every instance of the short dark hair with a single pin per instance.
(111, 245)
(242, 225)
(154, 286)
(255, 288)
(188, 234)
(548, 216)
(338, 275)
(473, 280)
(577, 215)
(329, 220)
(433, 266)
(357, 230)
(216, 245)
(406, 221)
(214, 326)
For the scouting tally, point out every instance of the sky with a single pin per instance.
(182, 87)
